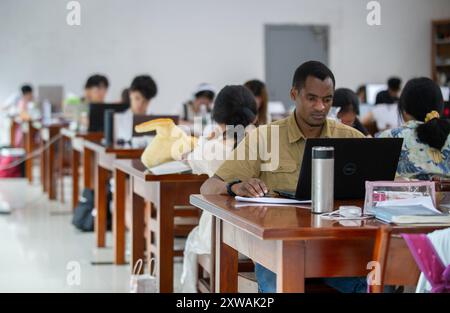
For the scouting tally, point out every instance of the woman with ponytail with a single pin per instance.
(426, 141)
(234, 112)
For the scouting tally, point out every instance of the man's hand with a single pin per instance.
(254, 187)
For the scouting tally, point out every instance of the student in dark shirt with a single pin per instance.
(384, 115)
(392, 94)
(347, 103)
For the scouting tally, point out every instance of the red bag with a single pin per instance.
(7, 159)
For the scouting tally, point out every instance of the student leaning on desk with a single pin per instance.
(312, 91)
(234, 106)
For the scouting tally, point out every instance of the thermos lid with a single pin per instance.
(322, 152)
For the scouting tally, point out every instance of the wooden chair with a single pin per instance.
(394, 259)
(206, 270)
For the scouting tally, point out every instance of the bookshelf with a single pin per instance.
(440, 51)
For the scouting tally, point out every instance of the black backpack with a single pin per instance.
(82, 216)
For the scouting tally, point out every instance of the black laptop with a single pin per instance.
(356, 160)
(97, 114)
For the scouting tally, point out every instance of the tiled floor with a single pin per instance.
(40, 251)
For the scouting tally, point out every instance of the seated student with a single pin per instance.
(234, 105)
(347, 103)
(362, 94)
(24, 110)
(259, 90)
(384, 114)
(391, 95)
(312, 91)
(201, 103)
(25, 101)
(426, 145)
(95, 89)
(142, 90)
(125, 96)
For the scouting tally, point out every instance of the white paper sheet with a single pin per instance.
(425, 201)
(271, 200)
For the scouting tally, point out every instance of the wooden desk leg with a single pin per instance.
(137, 227)
(28, 150)
(12, 134)
(88, 156)
(61, 154)
(290, 273)
(226, 264)
(119, 216)
(75, 177)
(51, 185)
(212, 267)
(165, 238)
(101, 183)
(44, 167)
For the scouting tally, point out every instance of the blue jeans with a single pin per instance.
(267, 282)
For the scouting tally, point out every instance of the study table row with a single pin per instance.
(290, 241)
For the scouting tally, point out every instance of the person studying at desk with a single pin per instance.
(312, 91)
(426, 145)
(95, 89)
(142, 90)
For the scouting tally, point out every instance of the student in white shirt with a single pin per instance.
(234, 105)
(385, 113)
(202, 100)
(142, 90)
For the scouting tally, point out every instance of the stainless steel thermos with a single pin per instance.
(322, 179)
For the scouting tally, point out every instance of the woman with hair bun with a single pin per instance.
(426, 141)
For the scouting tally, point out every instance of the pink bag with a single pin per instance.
(429, 262)
(9, 165)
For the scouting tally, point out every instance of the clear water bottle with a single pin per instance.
(46, 111)
(322, 180)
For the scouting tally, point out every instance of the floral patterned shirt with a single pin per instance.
(418, 160)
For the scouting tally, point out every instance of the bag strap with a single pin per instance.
(152, 262)
(137, 267)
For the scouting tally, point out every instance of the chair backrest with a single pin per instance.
(429, 262)
(396, 264)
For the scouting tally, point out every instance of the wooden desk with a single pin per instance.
(76, 139)
(156, 200)
(99, 159)
(48, 156)
(295, 244)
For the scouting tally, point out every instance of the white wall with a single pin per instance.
(184, 42)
